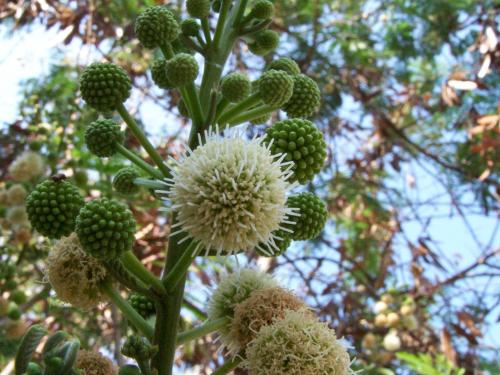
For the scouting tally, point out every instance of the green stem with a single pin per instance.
(221, 22)
(136, 267)
(255, 28)
(144, 366)
(227, 367)
(192, 44)
(240, 13)
(167, 50)
(206, 328)
(251, 114)
(194, 101)
(143, 140)
(206, 31)
(212, 110)
(127, 310)
(238, 108)
(178, 271)
(137, 160)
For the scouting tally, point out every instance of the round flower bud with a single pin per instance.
(198, 8)
(34, 369)
(260, 309)
(17, 215)
(104, 86)
(105, 228)
(129, 370)
(262, 9)
(155, 26)
(369, 341)
(235, 87)
(14, 313)
(313, 216)
(53, 206)
(232, 290)
(16, 195)
(102, 137)
(27, 166)
(75, 276)
(297, 344)
(159, 74)
(124, 181)
(261, 120)
(142, 304)
(265, 41)
(302, 143)
(18, 297)
(182, 69)
(392, 342)
(282, 242)
(380, 307)
(285, 64)
(138, 348)
(392, 319)
(387, 298)
(305, 99)
(190, 27)
(93, 363)
(244, 202)
(406, 310)
(380, 320)
(275, 88)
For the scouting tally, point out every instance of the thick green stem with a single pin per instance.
(192, 44)
(203, 330)
(229, 366)
(234, 111)
(206, 31)
(144, 366)
(221, 22)
(135, 266)
(241, 11)
(127, 310)
(138, 161)
(251, 114)
(143, 140)
(178, 271)
(194, 101)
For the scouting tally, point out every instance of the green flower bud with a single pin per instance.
(190, 27)
(124, 181)
(262, 9)
(14, 312)
(18, 297)
(198, 8)
(216, 5)
(129, 370)
(313, 216)
(155, 26)
(104, 86)
(285, 64)
(34, 369)
(53, 206)
(265, 41)
(138, 348)
(235, 87)
(275, 88)
(302, 143)
(159, 74)
(305, 99)
(105, 228)
(142, 304)
(102, 137)
(182, 69)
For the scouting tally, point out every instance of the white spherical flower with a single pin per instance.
(230, 194)
(392, 342)
(380, 307)
(27, 166)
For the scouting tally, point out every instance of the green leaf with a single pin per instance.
(28, 345)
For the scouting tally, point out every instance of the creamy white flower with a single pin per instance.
(230, 194)
(392, 342)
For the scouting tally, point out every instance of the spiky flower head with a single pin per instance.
(302, 143)
(102, 137)
(53, 206)
(260, 309)
(105, 228)
(298, 344)
(264, 42)
(27, 166)
(159, 74)
(275, 88)
(190, 27)
(232, 290)
(230, 194)
(235, 87)
(124, 180)
(262, 9)
(142, 304)
(285, 64)
(313, 216)
(282, 241)
(104, 86)
(93, 363)
(198, 8)
(17, 215)
(305, 99)
(155, 26)
(16, 194)
(182, 69)
(75, 276)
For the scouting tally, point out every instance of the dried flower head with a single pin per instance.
(16, 194)
(93, 363)
(74, 275)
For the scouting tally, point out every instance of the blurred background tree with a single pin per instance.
(407, 271)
